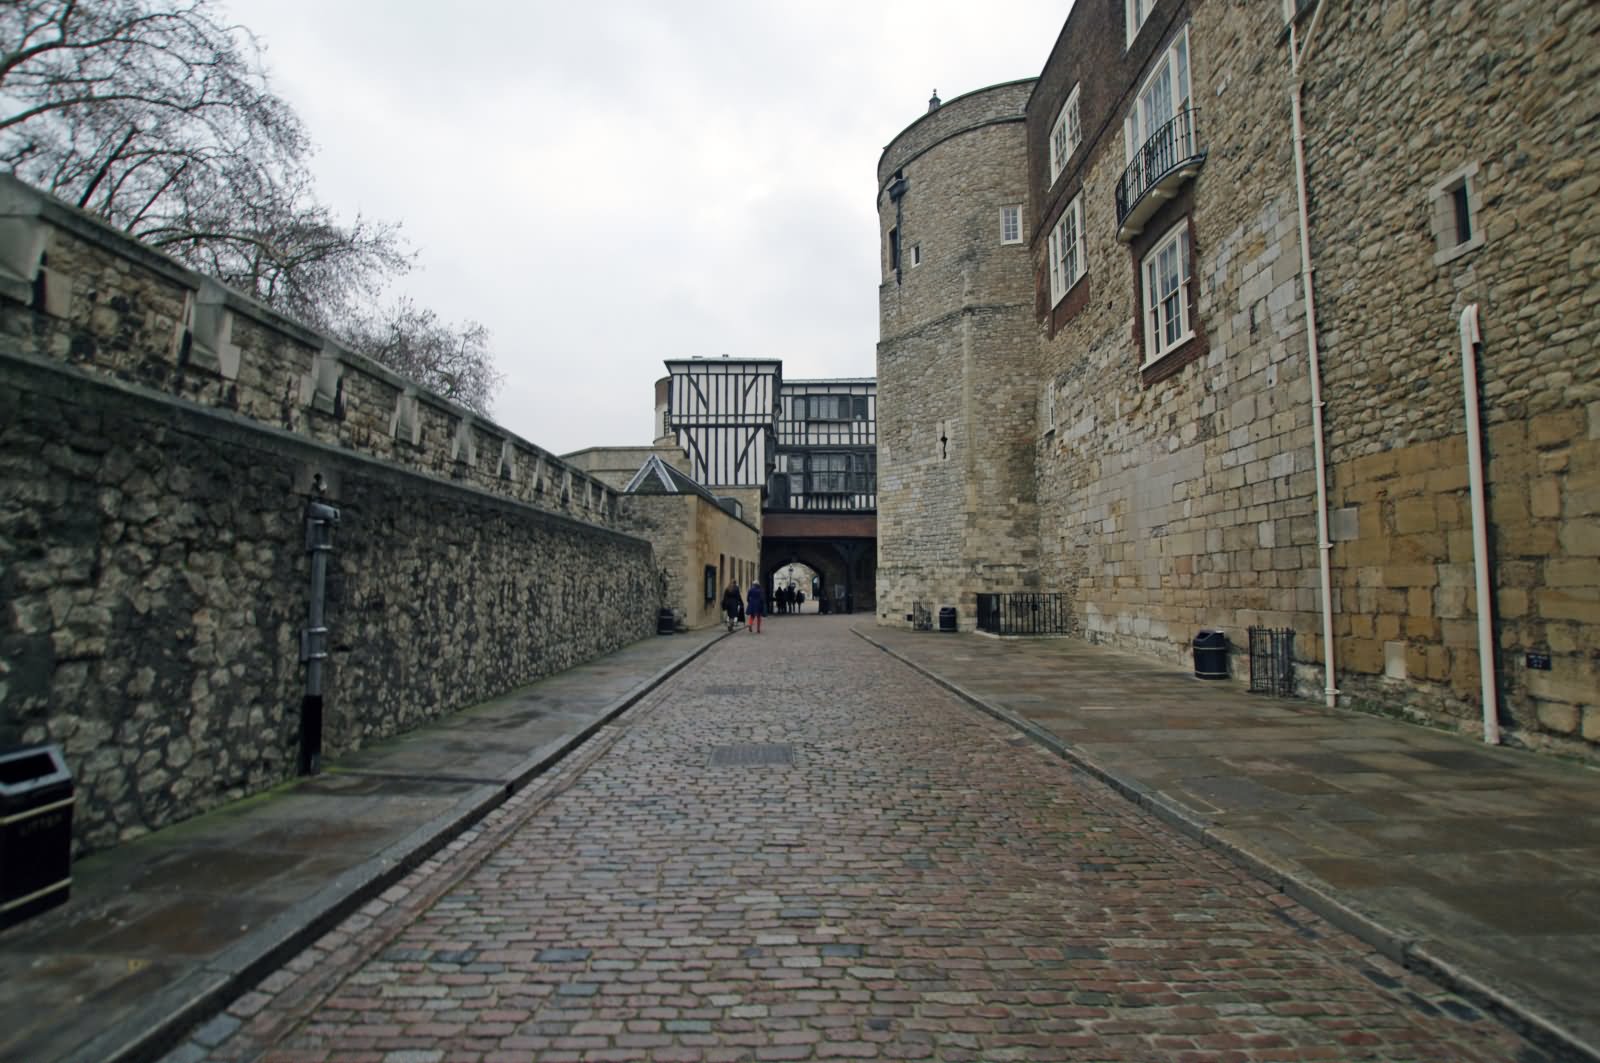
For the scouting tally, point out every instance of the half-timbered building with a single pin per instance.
(802, 454)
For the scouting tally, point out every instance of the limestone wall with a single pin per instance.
(956, 372)
(77, 291)
(153, 563)
(688, 533)
(1399, 99)
(156, 581)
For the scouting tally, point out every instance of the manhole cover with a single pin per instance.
(751, 755)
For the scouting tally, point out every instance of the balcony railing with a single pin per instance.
(1158, 169)
(1023, 614)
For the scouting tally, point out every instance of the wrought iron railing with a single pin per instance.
(1024, 613)
(1169, 147)
(1272, 661)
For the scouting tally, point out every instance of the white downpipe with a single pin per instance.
(1471, 337)
(1314, 363)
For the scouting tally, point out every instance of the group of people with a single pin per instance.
(751, 606)
(789, 599)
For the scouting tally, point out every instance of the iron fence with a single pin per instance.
(1023, 613)
(1272, 661)
(1174, 143)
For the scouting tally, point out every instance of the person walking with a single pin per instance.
(732, 604)
(755, 603)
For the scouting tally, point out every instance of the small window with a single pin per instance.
(894, 249)
(1065, 135)
(1137, 11)
(916, 255)
(1456, 221)
(1165, 278)
(1066, 250)
(1011, 224)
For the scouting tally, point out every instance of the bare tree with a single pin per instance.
(157, 115)
(453, 360)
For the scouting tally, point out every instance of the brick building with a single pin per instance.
(1105, 376)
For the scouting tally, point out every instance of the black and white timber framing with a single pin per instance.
(722, 412)
(811, 444)
(827, 447)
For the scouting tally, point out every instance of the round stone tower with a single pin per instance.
(957, 338)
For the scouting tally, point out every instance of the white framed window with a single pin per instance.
(1137, 12)
(1164, 275)
(916, 255)
(1065, 135)
(1011, 224)
(1163, 96)
(1047, 404)
(1455, 214)
(1066, 250)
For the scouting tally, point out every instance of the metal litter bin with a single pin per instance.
(947, 618)
(1211, 655)
(35, 831)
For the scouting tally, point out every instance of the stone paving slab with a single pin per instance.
(1475, 864)
(166, 929)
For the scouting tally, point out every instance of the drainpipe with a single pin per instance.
(321, 519)
(1314, 366)
(1471, 337)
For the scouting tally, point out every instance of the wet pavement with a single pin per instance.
(1477, 864)
(798, 848)
(162, 931)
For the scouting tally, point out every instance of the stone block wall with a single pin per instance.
(688, 533)
(1179, 496)
(1182, 494)
(1486, 91)
(956, 507)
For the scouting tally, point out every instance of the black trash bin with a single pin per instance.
(1211, 655)
(35, 831)
(947, 618)
(666, 622)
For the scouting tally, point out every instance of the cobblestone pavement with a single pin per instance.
(919, 883)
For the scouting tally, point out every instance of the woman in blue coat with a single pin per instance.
(755, 603)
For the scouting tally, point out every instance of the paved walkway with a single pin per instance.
(163, 931)
(1475, 864)
(916, 884)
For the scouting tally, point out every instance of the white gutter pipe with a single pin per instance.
(1314, 364)
(1471, 337)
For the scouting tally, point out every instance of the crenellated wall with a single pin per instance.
(160, 440)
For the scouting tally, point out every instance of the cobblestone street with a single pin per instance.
(799, 849)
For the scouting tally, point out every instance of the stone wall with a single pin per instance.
(1181, 494)
(1486, 92)
(156, 582)
(956, 371)
(688, 533)
(153, 562)
(77, 291)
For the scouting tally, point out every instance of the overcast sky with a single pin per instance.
(608, 185)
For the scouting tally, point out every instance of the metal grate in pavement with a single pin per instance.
(752, 754)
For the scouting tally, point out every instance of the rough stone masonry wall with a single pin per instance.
(75, 290)
(1188, 502)
(955, 370)
(1400, 96)
(155, 577)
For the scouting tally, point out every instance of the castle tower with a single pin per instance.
(957, 512)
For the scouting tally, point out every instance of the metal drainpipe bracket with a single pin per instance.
(313, 644)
